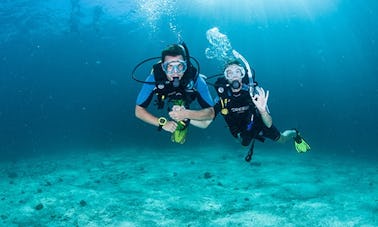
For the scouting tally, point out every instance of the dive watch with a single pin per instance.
(162, 121)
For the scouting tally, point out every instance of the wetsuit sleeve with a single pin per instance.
(217, 106)
(204, 98)
(146, 93)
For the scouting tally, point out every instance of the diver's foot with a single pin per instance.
(300, 144)
(290, 133)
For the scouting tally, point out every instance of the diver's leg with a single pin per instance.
(287, 135)
(248, 158)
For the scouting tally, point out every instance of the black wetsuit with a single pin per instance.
(240, 110)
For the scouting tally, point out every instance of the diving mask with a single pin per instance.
(171, 67)
(234, 72)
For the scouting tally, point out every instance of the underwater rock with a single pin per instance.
(39, 206)
(207, 175)
(83, 203)
(258, 164)
(3, 216)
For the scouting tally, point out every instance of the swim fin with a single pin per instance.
(300, 144)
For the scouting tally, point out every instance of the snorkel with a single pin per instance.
(249, 71)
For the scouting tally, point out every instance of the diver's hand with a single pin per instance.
(261, 99)
(178, 113)
(170, 126)
(177, 108)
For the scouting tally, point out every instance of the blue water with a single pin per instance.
(65, 69)
(72, 153)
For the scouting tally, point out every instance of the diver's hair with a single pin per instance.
(173, 50)
(234, 62)
(239, 63)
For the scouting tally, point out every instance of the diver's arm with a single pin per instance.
(260, 100)
(266, 118)
(201, 124)
(147, 117)
(200, 115)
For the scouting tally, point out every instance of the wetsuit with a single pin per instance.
(197, 90)
(238, 110)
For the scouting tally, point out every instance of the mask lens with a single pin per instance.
(233, 72)
(171, 67)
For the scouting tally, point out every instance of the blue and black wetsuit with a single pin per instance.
(195, 90)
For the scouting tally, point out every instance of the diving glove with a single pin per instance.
(300, 144)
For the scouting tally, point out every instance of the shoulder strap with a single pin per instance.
(221, 86)
(159, 75)
(160, 85)
(189, 78)
(220, 82)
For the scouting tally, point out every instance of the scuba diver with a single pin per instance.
(175, 81)
(244, 107)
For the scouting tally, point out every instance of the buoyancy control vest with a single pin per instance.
(237, 109)
(228, 101)
(164, 88)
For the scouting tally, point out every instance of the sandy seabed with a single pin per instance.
(193, 187)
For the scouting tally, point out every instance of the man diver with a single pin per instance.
(175, 80)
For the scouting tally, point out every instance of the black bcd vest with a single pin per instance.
(164, 89)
